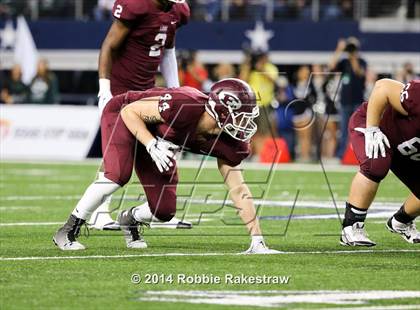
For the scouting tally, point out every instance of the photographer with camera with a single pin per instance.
(353, 75)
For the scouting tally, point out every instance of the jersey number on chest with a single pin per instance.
(411, 148)
(160, 40)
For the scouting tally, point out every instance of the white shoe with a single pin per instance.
(355, 235)
(260, 248)
(174, 223)
(101, 219)
(138, 244)
(65, 237)
(70, 246)
(129, 226)
(407, 231)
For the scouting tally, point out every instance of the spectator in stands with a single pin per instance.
(303, 115)
(300, 10)
(283, 115)
(406, 74)
(256, 9)
(347, 9)
(44, 86)
(334, 10)
(326, 88)
(371, 78)
(212, 10)
(14, 90)
(262, 77)
(103, 10)
(353, 70)
(193, 73)
(223, 71)
(237, 9)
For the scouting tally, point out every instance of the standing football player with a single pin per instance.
(141, 38)
(145, 129)
(385, 135)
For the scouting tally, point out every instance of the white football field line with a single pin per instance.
(343, 252)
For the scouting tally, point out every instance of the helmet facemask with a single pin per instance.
(241, 126)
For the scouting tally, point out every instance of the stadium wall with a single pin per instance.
(72, 45)
(47, 132)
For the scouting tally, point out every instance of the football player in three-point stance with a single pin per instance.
(385, 135)
(145, 129)
(141, 38)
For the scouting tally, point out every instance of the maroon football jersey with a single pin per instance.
(181, 108)
(402, 131)
(152, 30)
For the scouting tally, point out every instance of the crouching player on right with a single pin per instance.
(385, 135)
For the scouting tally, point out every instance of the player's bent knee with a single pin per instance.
(164, 217)
(375, 169)
(163, 212)
(120, 179)
(373, 175)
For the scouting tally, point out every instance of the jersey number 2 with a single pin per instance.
(155, 48)
(118, 11)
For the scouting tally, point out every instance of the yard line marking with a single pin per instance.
(31, 224)
(274, 299)
(30, 198)
(262, 202)
(31, 258)
(193, 164)
(196, 221)
(18, 208)
(394, 307)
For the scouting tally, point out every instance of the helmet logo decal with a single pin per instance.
(230, 100)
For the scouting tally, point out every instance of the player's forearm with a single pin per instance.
(105, 62)
(334, 60)
(136, 125)
(169, 68)
(242, 199)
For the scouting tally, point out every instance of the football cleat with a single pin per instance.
(174, 223)
(407, 231)
(355, 235)
(260, 248)
(129, 227)
(65, 237)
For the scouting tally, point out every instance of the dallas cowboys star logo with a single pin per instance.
(259, 37)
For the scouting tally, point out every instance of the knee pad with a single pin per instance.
(118, 178)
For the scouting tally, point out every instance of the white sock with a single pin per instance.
(143, 214)
(257, 239)
(94, 195)
(101, 215)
